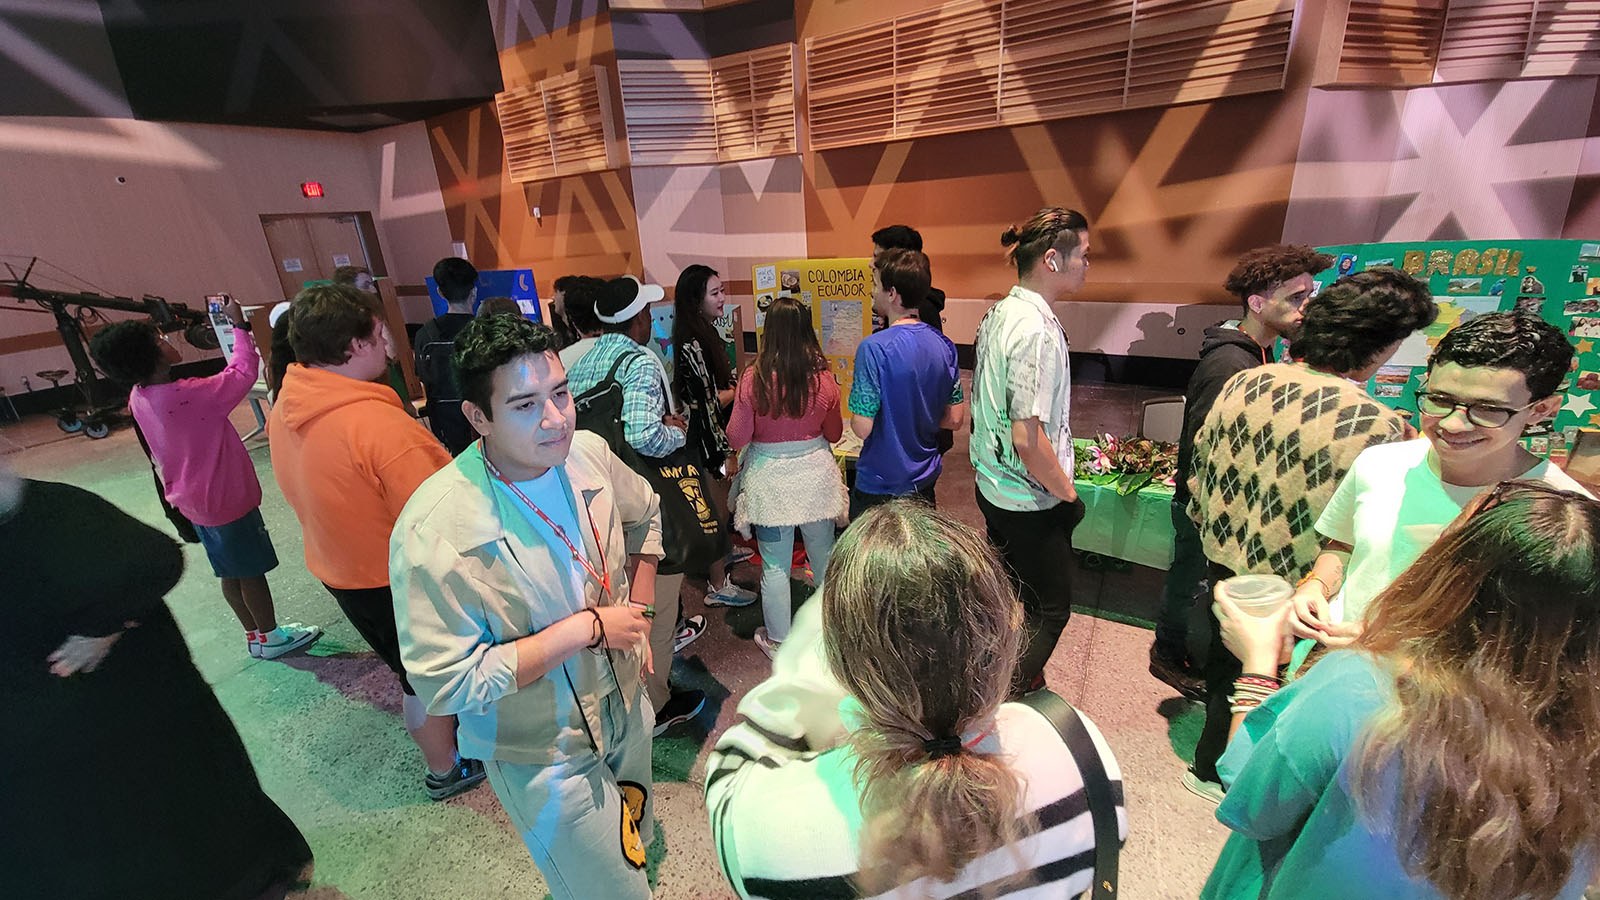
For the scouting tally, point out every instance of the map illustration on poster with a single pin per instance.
(839, 294)
(1558, 281)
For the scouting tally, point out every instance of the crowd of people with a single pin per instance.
(1424, 710)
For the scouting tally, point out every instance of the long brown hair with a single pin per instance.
(1495, 632)
(788, 362)
(923, 631)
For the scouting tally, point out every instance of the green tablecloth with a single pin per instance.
(1137, 528)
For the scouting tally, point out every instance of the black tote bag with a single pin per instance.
(691, 537)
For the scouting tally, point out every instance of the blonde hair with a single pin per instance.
(1496, 735)
(924, 633)
(1051, 228)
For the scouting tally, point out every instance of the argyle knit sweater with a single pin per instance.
(1267, 459)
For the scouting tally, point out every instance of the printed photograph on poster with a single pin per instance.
(1534, 428)
(1584, 326)
(1498, 288)
(1592, 287)
(1581, 307)
(1388, 390)
(1530, 284)
(1580, 274)
(1589, 252)
(789, 281)
(1533, 306)
(1465, 286)
(1386, 263)
(1393, 375)
(1539, 446)
(763, 301)
(1588, 381)
(1347, 264)
(1453, 311)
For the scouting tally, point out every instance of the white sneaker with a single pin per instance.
(767, 644)
(730, 594)
(252, 643)
(287, 638)
(740, 554)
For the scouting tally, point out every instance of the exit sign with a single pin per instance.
(311, 188)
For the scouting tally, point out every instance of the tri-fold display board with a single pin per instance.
(1556, 280)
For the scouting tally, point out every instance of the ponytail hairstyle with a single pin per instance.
(923, 631)
(1489, 764)
(787, 364)
(1050, 228)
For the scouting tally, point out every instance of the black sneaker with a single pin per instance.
(680, 707)
(466, 775)
(1177, 675)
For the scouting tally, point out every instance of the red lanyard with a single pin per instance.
(601, 577)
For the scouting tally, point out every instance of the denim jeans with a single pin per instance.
(776, 544)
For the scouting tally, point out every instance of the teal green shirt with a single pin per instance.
(1296, 832)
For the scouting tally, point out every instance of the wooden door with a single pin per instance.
(309, 247)
(336, 240)
(294, 257)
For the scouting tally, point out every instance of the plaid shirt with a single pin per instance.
(644, 392)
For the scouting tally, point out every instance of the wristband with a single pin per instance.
(599, 629)
(1310, 577)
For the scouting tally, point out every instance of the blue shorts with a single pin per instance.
(240, 549)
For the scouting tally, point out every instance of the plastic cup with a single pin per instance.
(1258, 595)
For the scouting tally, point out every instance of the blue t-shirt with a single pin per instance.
(905, 376)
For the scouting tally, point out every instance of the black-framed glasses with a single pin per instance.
(1483, 415)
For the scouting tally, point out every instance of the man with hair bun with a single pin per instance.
(1271, 283)
(1021, 443)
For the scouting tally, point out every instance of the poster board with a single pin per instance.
(839, 294)
(518, 284)
(1556, 280)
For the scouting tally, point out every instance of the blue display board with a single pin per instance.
(518, 284)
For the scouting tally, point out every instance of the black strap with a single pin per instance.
(1096, 786)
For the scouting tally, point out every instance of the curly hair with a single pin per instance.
(1263, 268)
(1049, 228)
(1357, 317)
(129, 352)
(489, 342)
(1506, 340)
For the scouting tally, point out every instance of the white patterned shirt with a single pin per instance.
(1021, 373)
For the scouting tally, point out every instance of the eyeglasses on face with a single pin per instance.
(1483, 415)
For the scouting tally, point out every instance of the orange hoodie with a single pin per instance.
(347, 458)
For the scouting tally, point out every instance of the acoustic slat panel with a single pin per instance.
(1484, 39)
(1391, 41)
(1565, 40)
(978, 63)
(560, 126)
(666, 105)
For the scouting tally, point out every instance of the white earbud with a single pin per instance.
(1052, 264)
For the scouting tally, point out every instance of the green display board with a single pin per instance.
(1557, 280)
